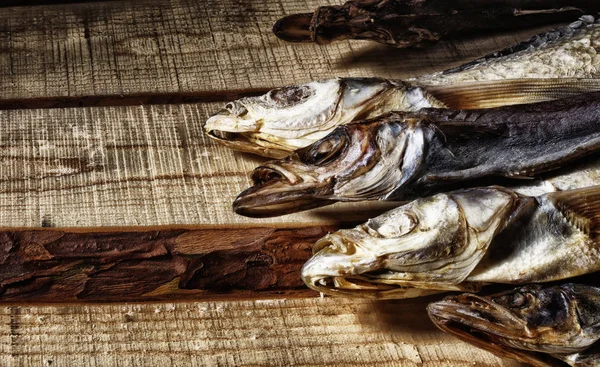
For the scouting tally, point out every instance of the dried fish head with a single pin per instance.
(290, 118)
(355, 162)
(426, 246)
(533, 324)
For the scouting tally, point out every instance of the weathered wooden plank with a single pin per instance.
(127, 166)
(299, 332)
(143, 202)
(10, 3)
(160, 264)
(213, 50)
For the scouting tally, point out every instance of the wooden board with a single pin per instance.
(305, 332)
(124, 200)
(177, 50)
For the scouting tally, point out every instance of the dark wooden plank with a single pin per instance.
(162, 264)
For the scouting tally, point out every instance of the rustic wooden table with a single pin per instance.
(110, 192)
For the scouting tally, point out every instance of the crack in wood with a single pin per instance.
(128, 100)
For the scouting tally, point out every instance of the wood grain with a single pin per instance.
(299, 332)
(135, 192)
(168, 264)
(210, 50)
(128, 166)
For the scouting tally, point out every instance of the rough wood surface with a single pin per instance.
(129, 51)
(127, 166)
(105, 175)
(299, 332)
(162, 264)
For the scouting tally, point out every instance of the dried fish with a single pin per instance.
(401, 156)
(544, 326)
(556, 64)
(402, 23)
(460, 241)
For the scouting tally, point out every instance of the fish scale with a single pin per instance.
(557, 64)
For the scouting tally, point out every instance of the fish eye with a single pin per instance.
(402, 224)
(516, 300)
(324, 151)
(289, 96)
(236, 109)
(519, 301)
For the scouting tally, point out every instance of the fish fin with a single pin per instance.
(581, 208)
(489, 94)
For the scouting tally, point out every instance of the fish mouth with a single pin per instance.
(363, 287)
(274, 193)
(485, 325)
(340, 267)
(241, 143)
(479, 313)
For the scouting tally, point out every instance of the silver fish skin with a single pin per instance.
(552, 65)
(539, 325)
(290, 118)
(401, 156)
(461, 241)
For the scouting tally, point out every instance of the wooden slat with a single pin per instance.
(142, 200)
(163, 264)
(306, 332)
(211, 49)
(125, 166)
(10, 3)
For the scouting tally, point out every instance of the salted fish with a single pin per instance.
(401, 23)
(402, 156)
(552, 65)
(461, 241)
(544, 326)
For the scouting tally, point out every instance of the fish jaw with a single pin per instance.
(426, 246)
(529, 321)
(294, 117)
(453, 319)
(274, 194)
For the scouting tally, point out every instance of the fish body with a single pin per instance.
(401, 23)
(290, 118)
(556, 64)
(540, 325)
(565, 52)
(460, 241)
(401, 156)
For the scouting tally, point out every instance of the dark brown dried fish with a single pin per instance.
(400, 156)
(403, 23)
(543, 326)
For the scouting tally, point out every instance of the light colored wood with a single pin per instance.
(115, 168)
(176, 46)
(299, 332)
(127, 166)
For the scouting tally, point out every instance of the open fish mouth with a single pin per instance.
(466, 323)
(486, 325)
(242, 143)
(276, 193)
